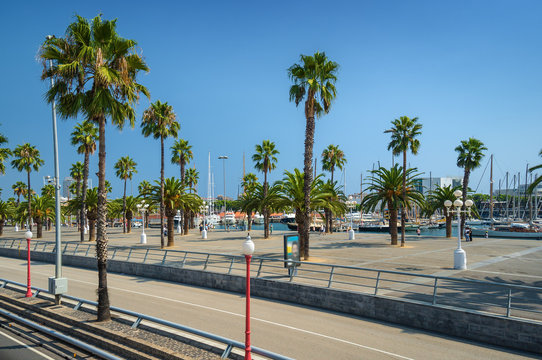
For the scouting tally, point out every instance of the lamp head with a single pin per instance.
(458, 193)
(447, 203)
(458, 203)
(469, 203)
(28, 235)
(248, 246)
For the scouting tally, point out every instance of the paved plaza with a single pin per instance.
(503, 260)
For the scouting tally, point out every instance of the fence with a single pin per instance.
(496, 298)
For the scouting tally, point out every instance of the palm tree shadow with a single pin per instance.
(349, 244)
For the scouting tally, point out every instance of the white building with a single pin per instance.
(428, 184)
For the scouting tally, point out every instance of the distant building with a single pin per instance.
(66, 186)
(426, 185)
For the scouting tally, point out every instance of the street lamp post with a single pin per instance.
(204, 211)
(248, 250)
(28, 236)
(350, 204)
(142, 208)
(460, 256)
(224, 158)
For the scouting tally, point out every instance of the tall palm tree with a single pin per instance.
(126, 168)
(191, 180)
(159, 121)
(469, 157)
(291, 190)
(130, 210)
(27, 157)
(249, 186)
(403, 137)
(6, 210)
(181, 153)
(84, 136)
(76, 172)
(265, 160)
(4, 153)
(332, 157)
(314, 81)
(175, 196)
(385, 188)
(436, 200)
(538, 179)
(94, 71)
(19, 188)
(44, 208)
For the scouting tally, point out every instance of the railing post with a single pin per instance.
(136, 323)
(129, 254)
(206, 262)
(164, 258)
(259, 268)
(35, 246)
(88, 249)
(435, 292)
(146, 254)
(509, 302)
(65, 247)
(77, 247)
(44, 246)
(331, 277)
(377, 281)
(184, 259)
(114, 253)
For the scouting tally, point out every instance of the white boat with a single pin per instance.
(212, 219)
(229, 218)
(257, 218)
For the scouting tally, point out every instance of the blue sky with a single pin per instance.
(465, 68)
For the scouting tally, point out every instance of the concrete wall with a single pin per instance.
(514, 333)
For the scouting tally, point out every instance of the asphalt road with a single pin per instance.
(296, 331)
(13, 347)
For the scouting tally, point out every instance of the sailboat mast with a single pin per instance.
(507, 204)
(491, 193)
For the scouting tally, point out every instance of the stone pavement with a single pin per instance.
(503, 260)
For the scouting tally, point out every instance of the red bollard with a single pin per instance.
(28, 236)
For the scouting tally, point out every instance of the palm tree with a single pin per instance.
(76, 172)
(125, 167)
(48, 190)
(266, 161)
(249, 186)
(386, 190)
(159, 121)
(181, 153)
(84, 136)
(469, 157)
(403, 137)
(332, 157)
(6, 210)
(175, 196)
(44, 209)
(314, 81)
(94, 72)
(131, 208)
(19, 188)
(27, 157)
(435, 201)
(538, 179)
(4, 153)
(191, 179)
(291, 190)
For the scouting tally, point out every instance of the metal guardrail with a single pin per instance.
(230, 344)
(468, 294)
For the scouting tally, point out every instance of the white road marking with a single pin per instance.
(243, 315)
(26, 346)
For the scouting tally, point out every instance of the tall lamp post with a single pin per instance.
(224, 158)
(460, 256)
(57, 284)
(248, 250)
(204, 211)
(350, 204)
(142, 208)
(28, 236)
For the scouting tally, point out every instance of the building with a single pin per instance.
(426, 185)
(66, 186)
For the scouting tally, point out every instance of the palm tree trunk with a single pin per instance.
(170, 228)
(92, 230)
(329, 213)
(129, 217)
(265, 209)
(2, 227)
(84, 195)
(249, 219)
(124, 208)
(403, 212)
(393, 224)
(104, 313)
(162, 192)
(186, 221)
(77, 194)
(448, 224)
(299, 218)
(465, 188)
(29, 203)
(39, 227)
(184, 216)
(307, 170)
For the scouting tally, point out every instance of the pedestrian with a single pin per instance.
(418, 231)
(467, 234)
(271, 229)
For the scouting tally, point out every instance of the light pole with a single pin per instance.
(350, 204)
(204, 211)
(142, 208)
(460, 257)
(57, 284)
(224, 158)
(28, 236)
(248, 250)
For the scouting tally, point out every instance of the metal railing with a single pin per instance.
(229, 343)
(486, 296)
